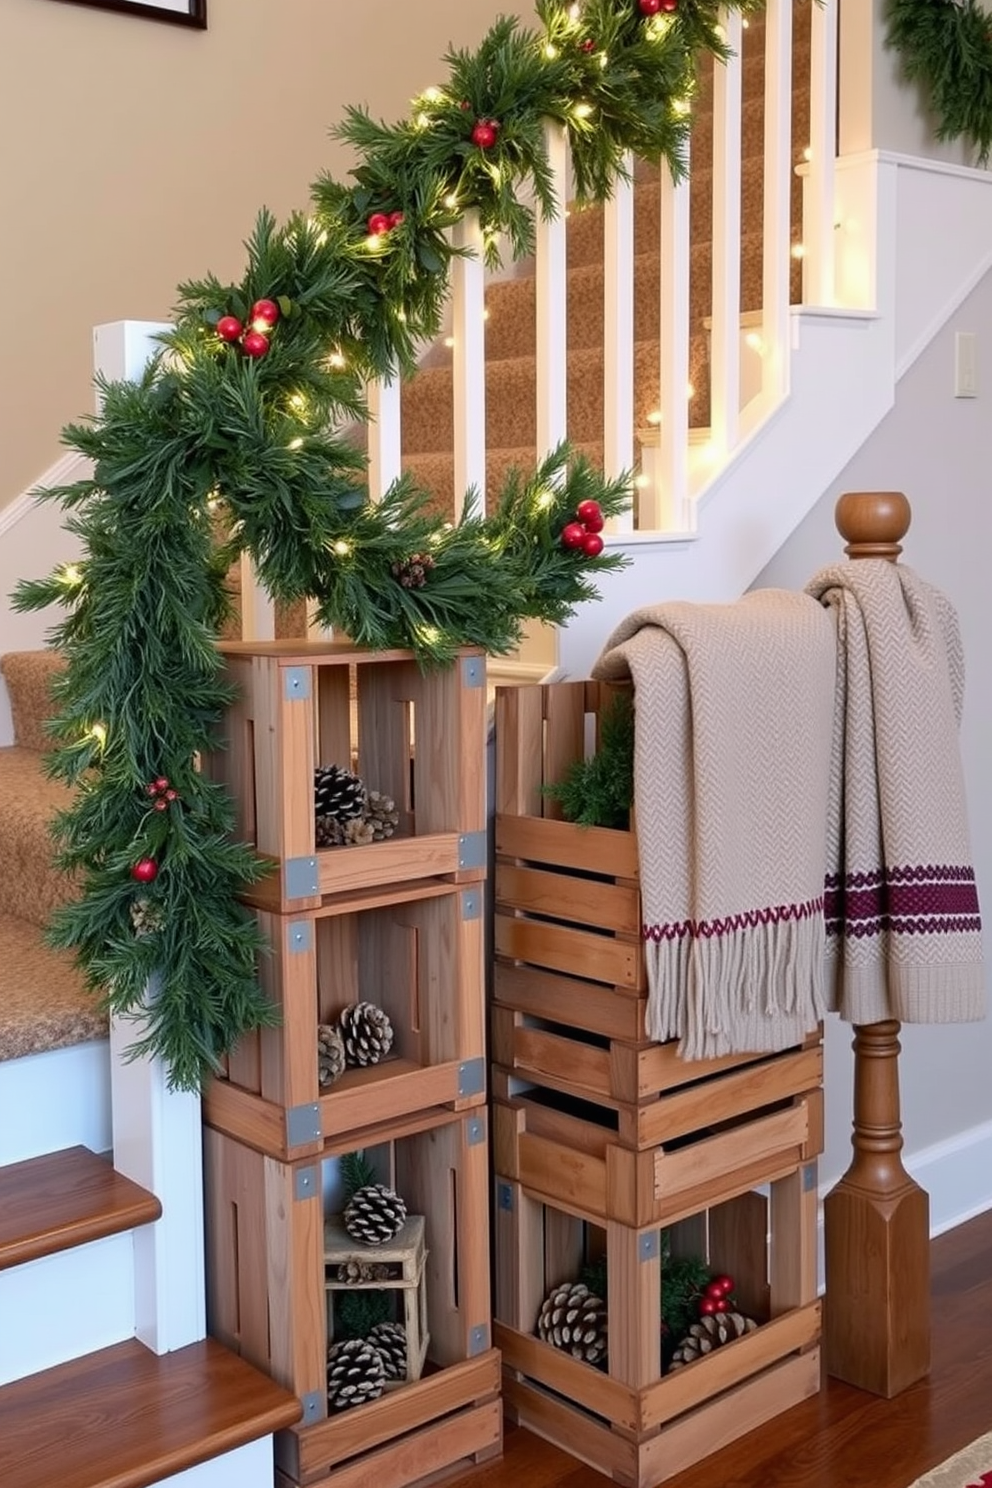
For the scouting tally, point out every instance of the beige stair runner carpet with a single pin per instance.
(733, 706)
(43, 1003)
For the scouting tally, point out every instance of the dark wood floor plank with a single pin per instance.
(67, 1198)
(841, 1438)
(125, 1417)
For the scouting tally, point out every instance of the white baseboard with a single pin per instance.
(250, 1466)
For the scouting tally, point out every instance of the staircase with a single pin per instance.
(84, 1402)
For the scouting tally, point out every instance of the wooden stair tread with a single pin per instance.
(125, 1417)
(62, 1199)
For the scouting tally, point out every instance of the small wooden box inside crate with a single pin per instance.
(631, 1421)
(414, 949)
(417, 737)
(266, 1283)
(400, 1265)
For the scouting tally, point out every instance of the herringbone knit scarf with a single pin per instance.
(902, 916)
(733, 709)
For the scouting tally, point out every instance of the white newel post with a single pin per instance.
(156, 1133)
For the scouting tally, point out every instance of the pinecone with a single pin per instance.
(412, 572)
(381, 815)
(330, 1053)
(390, 1340)
(356, 1271)
(146, 918)
(337, 793)
(574, 1319)
(374, 1214)
(367, 1033)
(355, 1373)
(709, 1333)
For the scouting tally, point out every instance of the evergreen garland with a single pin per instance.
(682, 1281)
(599, 791)
(946, 46)
(233, 430)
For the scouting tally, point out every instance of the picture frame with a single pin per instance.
(175, 12)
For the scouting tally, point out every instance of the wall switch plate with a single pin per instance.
(965, 364)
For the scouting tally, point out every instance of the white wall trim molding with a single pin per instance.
(68, 468)
(957, 1174)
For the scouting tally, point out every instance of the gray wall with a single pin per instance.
(938, 450)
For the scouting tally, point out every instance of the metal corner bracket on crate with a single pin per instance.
(473, 849)
(303, 1125)
(302, 878)
(296, 683)
(471, 1077)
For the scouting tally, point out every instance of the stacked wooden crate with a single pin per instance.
(608, 1145)
(398, 923)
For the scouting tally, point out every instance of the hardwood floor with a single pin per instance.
(842, 1438)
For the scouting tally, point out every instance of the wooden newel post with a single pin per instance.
(876, 1220)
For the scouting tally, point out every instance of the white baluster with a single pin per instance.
(818, 199)
(552, 365)
(777, 193)
(468, 290)
(385, 439)
(663, 503)
(725, 375)
(618, 335)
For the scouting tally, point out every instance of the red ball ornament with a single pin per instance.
(161, 784)
(707, 1307)
(378, 224)
(592, 544)
(590, 515)
(588, 45)
(172, 795)
(669, 7)
(573, 535)
(395, 218)
(720, 1286)
(264, 314)
(649, 7)
(255, 344)
(161, 804)
(720, 1304)
(145, 870)
(484, 134)
(229, 328)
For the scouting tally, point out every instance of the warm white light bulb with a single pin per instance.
(295, 444)
(342, 548)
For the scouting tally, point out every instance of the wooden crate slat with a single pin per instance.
(582, 1436)
(564, 736)
(710, 1160)
(611, 1012)
(473, 1434)
(519, 716)
(582, 1383)
(581, 901)
(601, 850)
(577, 952)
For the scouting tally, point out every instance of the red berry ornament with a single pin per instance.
(573, 535)
(255, 344)
(592, 544)
(669, 7)
(720, 1286)
(264, 314)
(484, 133)
(161, 804)
(395, 218)
(229, 328)
(590, 515)
(649, 7)
(720, 1304)
(378, 224)
(145, 870)
(587, 45)
(707, 1307)
(161, 785)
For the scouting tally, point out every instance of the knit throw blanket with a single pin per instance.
(902, 916)
(733, 708)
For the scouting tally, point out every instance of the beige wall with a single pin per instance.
(136, 154)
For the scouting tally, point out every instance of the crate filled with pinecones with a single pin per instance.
(382, 1014)
(639, 1348)
(351, 768)
(359, 1279)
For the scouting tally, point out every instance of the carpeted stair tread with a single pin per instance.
(43, 1004)
(126, 1418)
(434, 470)
(30, 884)
(28, 675)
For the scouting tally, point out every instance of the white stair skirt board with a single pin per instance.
(250, 1466)
(54, 1309)
(55, 1100)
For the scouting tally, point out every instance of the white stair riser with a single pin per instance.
(73, 1303)
(55, 1100)
(250, 1466)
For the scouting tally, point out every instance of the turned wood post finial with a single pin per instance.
(872, 523)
